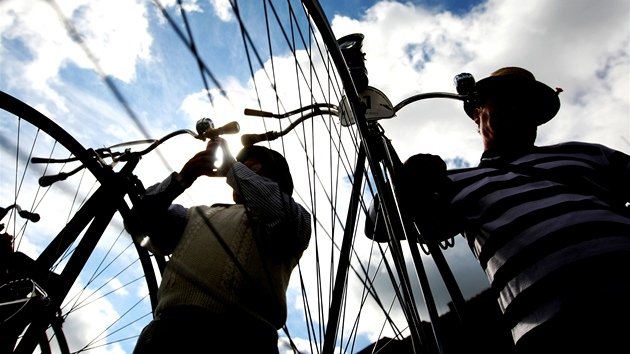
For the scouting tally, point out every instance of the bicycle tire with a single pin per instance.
(17, 153)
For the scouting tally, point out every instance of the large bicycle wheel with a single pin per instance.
(112, 274)
(274, 57)
(346, 292)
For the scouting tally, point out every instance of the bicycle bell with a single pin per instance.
(203, 125)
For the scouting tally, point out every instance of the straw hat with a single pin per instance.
(516, 83)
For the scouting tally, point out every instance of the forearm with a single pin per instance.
(162, 221)
(276, 209)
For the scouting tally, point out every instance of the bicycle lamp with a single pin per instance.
(350, 46)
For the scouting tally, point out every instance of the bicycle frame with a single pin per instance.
(378, 150)
(394, 228)
(389, 158)
(98, 211)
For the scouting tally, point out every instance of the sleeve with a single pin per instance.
(163, 221)
(277, 210)
(434, 216)
(619, 167)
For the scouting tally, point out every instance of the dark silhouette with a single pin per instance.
(548, 224)
(225, 283)
(484, 333)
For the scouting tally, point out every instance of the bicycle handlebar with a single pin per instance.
(315, 107)
(251, 139)
(202, 133)
(423, 96)
(205, 129)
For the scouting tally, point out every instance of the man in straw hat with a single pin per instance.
(548, 224)
(224, 287)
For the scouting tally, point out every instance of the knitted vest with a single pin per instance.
(227, 268)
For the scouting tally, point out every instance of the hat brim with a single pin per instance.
(276, 162)
(529, 92)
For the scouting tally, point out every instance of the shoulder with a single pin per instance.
(575, 147)
(592, 152)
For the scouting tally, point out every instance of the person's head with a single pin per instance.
(267, 163)
(510, 105)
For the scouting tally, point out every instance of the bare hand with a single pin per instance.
(227, 161)
(6, 243)
(203, 163)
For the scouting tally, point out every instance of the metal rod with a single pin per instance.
(330, 336)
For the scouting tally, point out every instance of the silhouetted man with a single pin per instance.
(549, 224)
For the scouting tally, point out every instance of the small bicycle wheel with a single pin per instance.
(35, 215)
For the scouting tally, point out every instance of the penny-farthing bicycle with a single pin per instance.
(84, 285)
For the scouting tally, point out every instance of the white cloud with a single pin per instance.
(81, 324)
(581, 47)
(115, 33)
(222, 9)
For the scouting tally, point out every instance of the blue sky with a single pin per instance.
(411, 47)
(356, 8)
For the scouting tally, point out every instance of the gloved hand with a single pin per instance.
(424, 192)
(424, 174)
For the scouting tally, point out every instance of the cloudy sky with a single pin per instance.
(411, 47)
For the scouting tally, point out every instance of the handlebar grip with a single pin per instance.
(34, 217)
(251, 139)
(230, 128)
(257, 113)
(45, 181)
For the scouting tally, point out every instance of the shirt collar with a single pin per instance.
(494, 154)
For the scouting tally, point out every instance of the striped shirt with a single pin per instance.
(546, 223)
